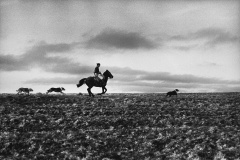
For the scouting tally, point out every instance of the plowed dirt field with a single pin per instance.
(120, 126)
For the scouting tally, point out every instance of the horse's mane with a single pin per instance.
(105, 72)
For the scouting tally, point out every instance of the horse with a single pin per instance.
(92, 82)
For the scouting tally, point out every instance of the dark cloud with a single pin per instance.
(216, 36)
(38, 56)
(130, 75)
(55, 80)
(139, 81)
(41, 49)
(209, 64)
(11, 63)
(57, 48)
(142, 86)
(178, 78)
(127, 71)
(212, 36)
(165, 85)
(109, 39)
(162, 88)
(71, 68)
(180, 37)
(185, 48)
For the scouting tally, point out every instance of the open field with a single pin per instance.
(120, 126)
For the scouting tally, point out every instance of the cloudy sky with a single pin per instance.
(148, 45)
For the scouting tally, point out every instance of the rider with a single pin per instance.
(97, 72)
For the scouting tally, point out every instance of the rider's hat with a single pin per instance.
(98, 63)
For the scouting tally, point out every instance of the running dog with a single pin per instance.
(172, 93)
(24, 90)
(56, 90)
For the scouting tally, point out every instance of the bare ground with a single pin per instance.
(120, 126)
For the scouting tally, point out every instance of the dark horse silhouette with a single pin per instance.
(92, 82)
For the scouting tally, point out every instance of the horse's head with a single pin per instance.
(108, 74)
(63, 89)
(30, 89)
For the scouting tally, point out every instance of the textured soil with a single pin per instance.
(120, 126)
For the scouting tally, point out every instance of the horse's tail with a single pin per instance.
(81, 82)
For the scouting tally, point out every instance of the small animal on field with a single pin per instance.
(24, 90)
(172, 93)
(59, 89)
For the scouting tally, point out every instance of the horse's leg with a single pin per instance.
(105, 89)
(89, 92)
(102, 90)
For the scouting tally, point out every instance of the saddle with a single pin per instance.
(98, 81)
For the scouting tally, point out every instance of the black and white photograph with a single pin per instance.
(120, 79)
